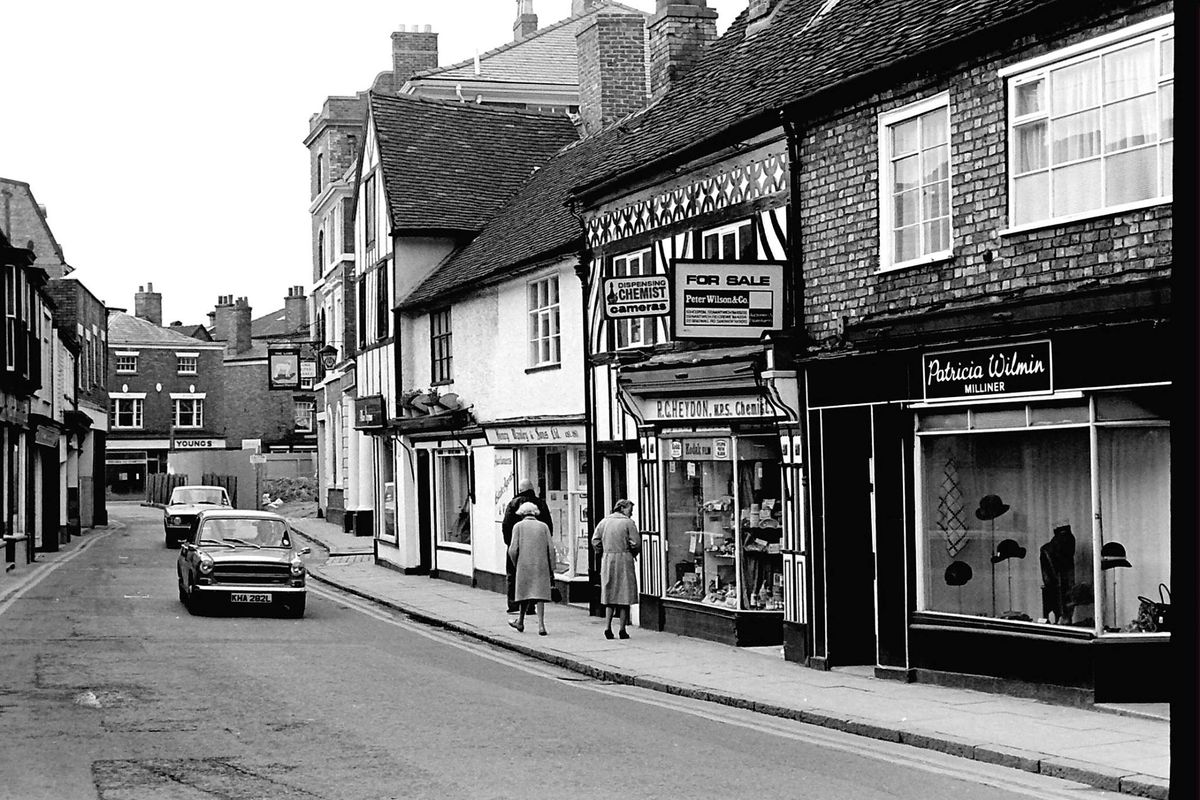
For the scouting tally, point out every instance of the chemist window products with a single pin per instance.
(1008, 496)
(723, 521)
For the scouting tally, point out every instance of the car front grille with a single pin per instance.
(253, 574)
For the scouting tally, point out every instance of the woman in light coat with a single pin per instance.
(533, 554)
(617, 541)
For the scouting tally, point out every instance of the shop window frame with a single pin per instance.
(438, 489)
(923, 615)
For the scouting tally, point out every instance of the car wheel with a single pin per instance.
(195, 605)
(183, 598)
(295, 608)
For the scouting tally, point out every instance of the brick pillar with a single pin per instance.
(412, 52)
(680, 30)
(612, 68)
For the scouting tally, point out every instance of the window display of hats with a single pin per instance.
(957, 574)
(1006, 551)
(990, 507)
(1113, 558)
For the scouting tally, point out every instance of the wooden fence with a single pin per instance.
(228, 482)
(160, 486)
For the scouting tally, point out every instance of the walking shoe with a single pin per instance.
(608, 634)
(622, 635)
(519, 627)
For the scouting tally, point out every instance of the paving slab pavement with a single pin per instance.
(1127, 751)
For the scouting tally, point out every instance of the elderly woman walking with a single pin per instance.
(533, 554)
(617, 541)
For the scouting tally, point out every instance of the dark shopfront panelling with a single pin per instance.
(740, 629)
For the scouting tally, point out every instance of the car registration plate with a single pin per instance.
(239, 597)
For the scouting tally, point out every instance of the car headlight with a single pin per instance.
(297, 566)
(206, 563)
(176, 520)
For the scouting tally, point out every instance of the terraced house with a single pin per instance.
(960, 425)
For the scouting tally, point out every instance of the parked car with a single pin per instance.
(185, 505)
(242, 559)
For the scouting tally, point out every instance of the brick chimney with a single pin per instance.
(221, 316)
(147, 304)
(680, 30)
(527, 21)
(583, 6)
(612, 68)
(295, 310)
(412, 52)
(239, 327)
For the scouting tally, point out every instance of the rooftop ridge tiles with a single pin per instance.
(483, 107)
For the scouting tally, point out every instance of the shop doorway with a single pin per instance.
(424, 515)
(849, 553)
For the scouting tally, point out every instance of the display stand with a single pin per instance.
(990, 507)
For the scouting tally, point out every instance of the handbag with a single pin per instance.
(1155, 616)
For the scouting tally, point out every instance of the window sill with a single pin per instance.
(543, 368)
(441, 383)
(1073, 219)
(943, 256)
(465, 549)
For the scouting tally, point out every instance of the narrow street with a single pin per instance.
(112, 690)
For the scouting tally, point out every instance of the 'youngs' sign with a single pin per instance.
(1024, 368)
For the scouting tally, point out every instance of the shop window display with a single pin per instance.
(1007, 521)
(723, 522)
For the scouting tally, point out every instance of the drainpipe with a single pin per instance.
(595, 470)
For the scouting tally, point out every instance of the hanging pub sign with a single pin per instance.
(1024, 368)
(368, 412)
(637, 296)
(726, 299)
(283, 365)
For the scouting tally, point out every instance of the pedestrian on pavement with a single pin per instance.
(526, 494)
(533, 554)
(617, 542)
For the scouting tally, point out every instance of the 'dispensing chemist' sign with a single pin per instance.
(989, 371)
(637, 296)
(727, 300)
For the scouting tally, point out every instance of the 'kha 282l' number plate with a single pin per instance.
(249, 598)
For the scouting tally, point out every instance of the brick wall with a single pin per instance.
(412, 52)
(679, 32)
(612, 69)
(254, 411)
(839, 209)
(160, 367)
(74, 306)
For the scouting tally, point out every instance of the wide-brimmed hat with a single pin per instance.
(990, 507)
(527, 510)
(1009, 548)
(1113, 555)
(958, 573)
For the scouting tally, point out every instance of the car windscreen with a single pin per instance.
(198, 496)
(245, 532)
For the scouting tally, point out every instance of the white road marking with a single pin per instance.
(1014, 780)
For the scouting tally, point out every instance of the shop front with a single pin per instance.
(718, 501)
(1016, 497)
(552, 454)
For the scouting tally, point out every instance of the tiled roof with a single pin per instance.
(269, 325)
(450, 166)
(29, 228)
(547, 56)
(535, 225)
(124, 329)
(193, 332)
(795, 58)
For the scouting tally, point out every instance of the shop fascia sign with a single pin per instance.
(724, 409)
(368, 412)
(726, 299)
(1011, 369)
(518, 435)
(637, 296)
(198, 443)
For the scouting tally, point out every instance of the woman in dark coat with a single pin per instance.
(617, 540)
(533, 554)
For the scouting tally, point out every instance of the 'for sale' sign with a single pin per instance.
(727, 300)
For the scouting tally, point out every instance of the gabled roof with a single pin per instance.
(534, 226)
(270, 325)
(741, 84)
(29, 227)
(126, 330)
(450, 166)
(193, 332)
(547, 56)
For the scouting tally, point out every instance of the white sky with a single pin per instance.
(165, 139)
